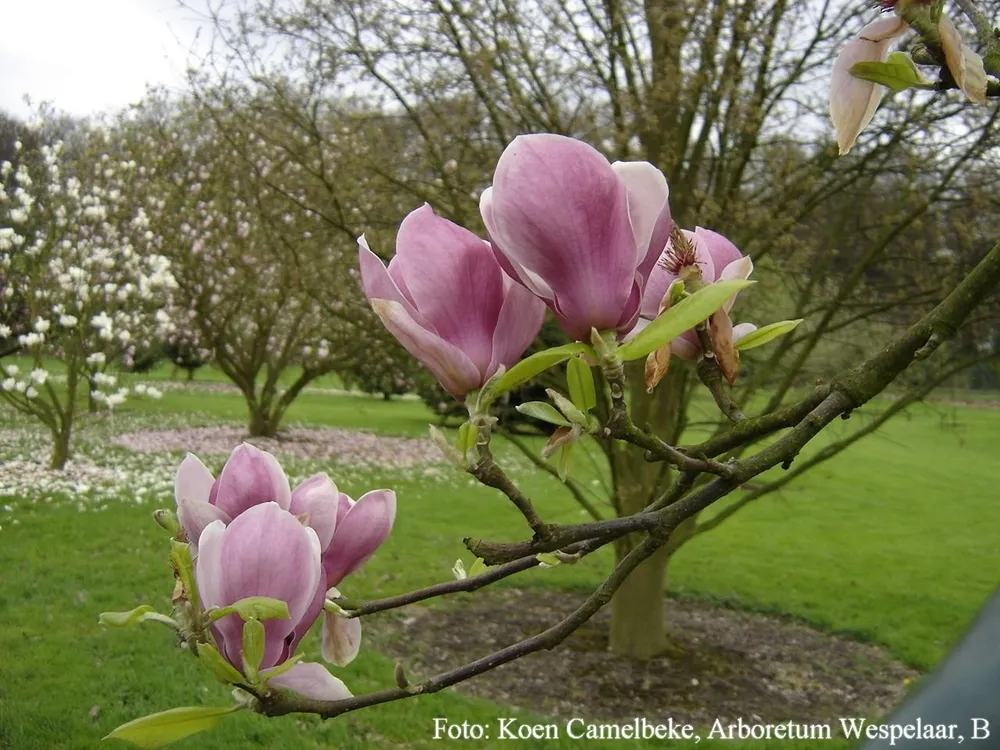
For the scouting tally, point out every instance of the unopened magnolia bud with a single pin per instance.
(167, 520)
(400, 674)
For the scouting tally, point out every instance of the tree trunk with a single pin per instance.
(638, 624)
(262, 422)
(60, 448)
(190, 374)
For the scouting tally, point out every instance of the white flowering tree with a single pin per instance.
(77, 264)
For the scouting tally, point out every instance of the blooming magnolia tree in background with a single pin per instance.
(597, 244)
(80, 272)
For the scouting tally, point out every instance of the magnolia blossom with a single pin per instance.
(266, 551)
(348, 532)
(704, 257)
(447, 301)
(853, 101)
(581, 233)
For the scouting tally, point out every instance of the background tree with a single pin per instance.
(80, 267)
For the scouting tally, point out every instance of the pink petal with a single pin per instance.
(311, 680)
(378, 284)
(341, 638)
(742, 330)
(852, 101)
(193, 481)
(686, 346)
(453, 279)
(359, 534)
(251, 477)
(517, 326)
(344, 507)
(659, 282)
(208, 567)
(723, 251)
(267, 552)
(453, 369)
(738, 270)
(703, 255)
(648, 210)
(318, 498)
(196, 515)
(514, 270)
(313, 611)
(558, 210)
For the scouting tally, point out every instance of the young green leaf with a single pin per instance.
(563, 460)
(157, 730)
(766, 334)
(477, 567)
(548, 560)
(566, 407)
(225, 672)
(180, 556)
(458, 570)
(253, 608)
(125, 619)
(898, 73)
(580, 381)
(681, 317)
(253, 648)
(142, 613)
(467, 437)
(543, 411)
(529, 367)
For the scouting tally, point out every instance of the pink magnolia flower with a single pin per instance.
(707, 257)
(447, 301)
(250, 477)
(579, 232)
(853, 101)
(349, 533)
(266, 551)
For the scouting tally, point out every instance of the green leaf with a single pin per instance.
(543, 411)
(467, 437)
(527, 368)
(563, 460)
(477, 567)
(458, 570)
(253, 648)
(681, 317)
(253, 608)
(548, 560)
(157, 730)
(766, 334)
(580, 381)
(225, 672)
(180, 556)
(125, 619)
(898, 73)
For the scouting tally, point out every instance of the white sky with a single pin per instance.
(91, 55)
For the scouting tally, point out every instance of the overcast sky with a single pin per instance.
(90, 55)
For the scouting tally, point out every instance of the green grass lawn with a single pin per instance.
(893, 541)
